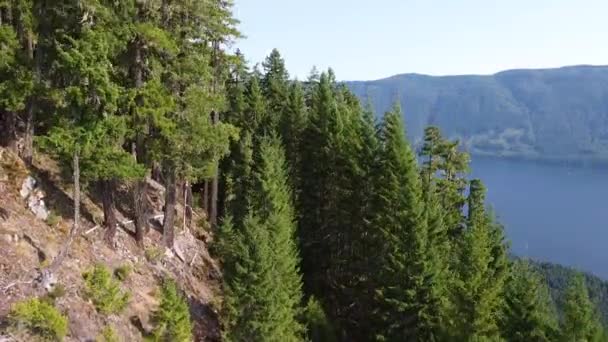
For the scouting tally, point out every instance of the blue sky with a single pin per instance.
(371, 39)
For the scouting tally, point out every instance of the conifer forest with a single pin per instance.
(327, 223)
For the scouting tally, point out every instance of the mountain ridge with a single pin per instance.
(555, 113)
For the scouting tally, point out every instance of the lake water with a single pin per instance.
(551, 212)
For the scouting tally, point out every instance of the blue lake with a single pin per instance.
(551, 212)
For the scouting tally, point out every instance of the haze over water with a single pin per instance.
(551, 212)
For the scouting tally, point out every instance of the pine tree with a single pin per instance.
(529, 314)
(478, 289)
(172, 318)
(407, 304)
(263, 284)
(86, 98)
(580, 322)
(19, 87)
(276, 89)
(292, 125)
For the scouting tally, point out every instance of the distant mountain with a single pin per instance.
(557, 114)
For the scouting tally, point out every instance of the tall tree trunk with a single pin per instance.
(109, 210)
(27, 153)
(214, 184)
(140, 188)
(76, 225)
(139, 203)
(188, 211)
(213, 200)
(9, 134)
(205, 198)
(170, 201)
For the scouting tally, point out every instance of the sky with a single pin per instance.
(372, 39)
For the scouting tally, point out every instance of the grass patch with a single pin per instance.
(107, 335)
(53, 219)
(153, 254)
(40, 318)
(122, 272)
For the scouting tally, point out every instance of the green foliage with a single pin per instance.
(108, 335)
(580, 321)
(53, 219)
(407, 302)
(172, 318)
(39, 317)
(262, 280)
(529, 312)
(122, 272)
(318, 327)
(104, 291)
(481, 271)
(153, 254)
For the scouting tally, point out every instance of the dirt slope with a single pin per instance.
(28, 244)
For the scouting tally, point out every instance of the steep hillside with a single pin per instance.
(548, 114)
(558, 276)
(29, 244)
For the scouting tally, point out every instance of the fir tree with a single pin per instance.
(276, 89)
(407, 304)
(478, 289)
(172, 318)
(263, 284)
(580, 321)
(529, 314)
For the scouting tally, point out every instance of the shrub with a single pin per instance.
(107, 335)
(122, 272)
(53, 219)
(39, 317)
(153, 254)
(104, 290)
(172, 318)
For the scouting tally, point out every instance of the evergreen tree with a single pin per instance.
(263, 284)
(292, 125)
(580, 322)
(276, 89)
(407, 306)
(478, 289)
(172, 318)
(529, 314)
(21, 81)
(86, 98)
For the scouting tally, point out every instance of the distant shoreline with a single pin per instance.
(577, 161)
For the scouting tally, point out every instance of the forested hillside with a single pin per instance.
(557, 114)
(326, 223)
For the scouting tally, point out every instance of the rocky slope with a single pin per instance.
(29, 242)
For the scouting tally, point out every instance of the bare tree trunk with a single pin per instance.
(9, 134)
(109, 208)
(213, 205)
(27, 152)
(205, 198)
(188, 211)
(214, 184)
(139, 204)
(170, 201)
(76, 226)
(140, 189)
